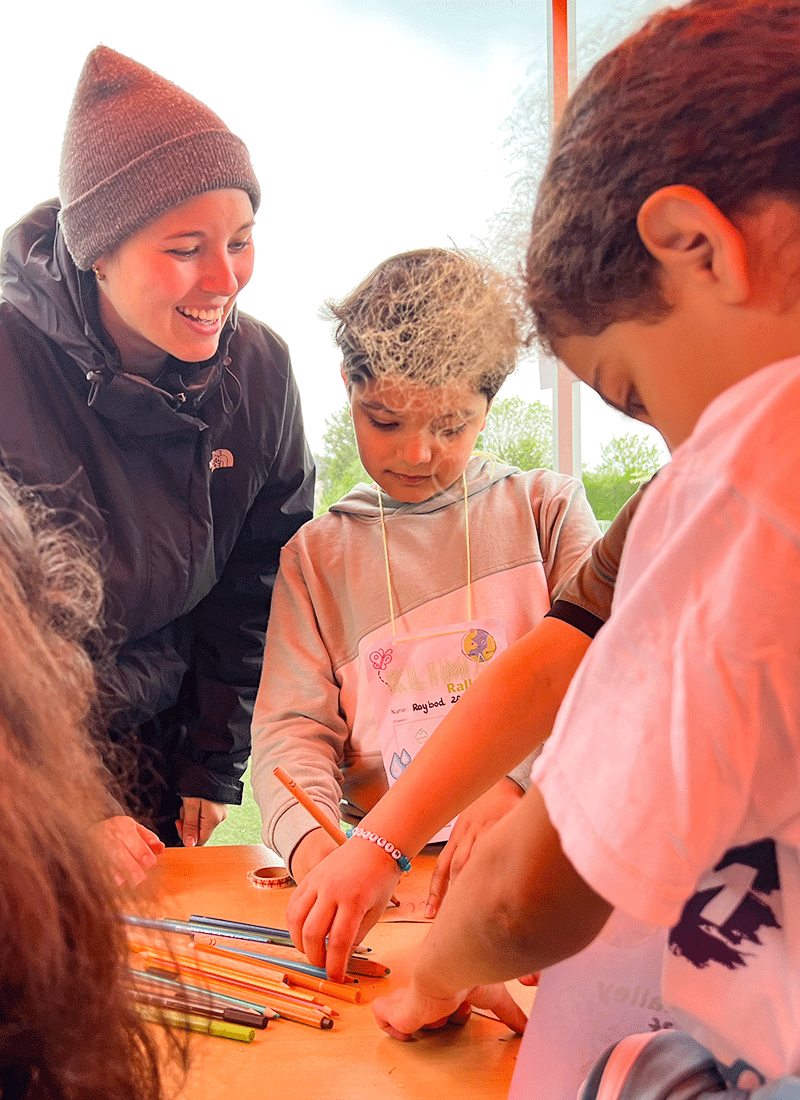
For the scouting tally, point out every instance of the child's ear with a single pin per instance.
(691, 237)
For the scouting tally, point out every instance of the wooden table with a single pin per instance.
(354, 1061)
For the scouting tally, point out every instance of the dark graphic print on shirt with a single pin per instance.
(719, 922)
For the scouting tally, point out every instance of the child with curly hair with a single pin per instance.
(388, 607)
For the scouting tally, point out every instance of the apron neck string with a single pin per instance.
(386, 554)
(386, 559)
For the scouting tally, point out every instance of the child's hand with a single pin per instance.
(311, 850)
(131, 848)
(341, 898)
(476, 819)
(408, 1010)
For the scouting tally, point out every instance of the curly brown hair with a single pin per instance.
(68, 1029)
(706, 95)
(434, 315)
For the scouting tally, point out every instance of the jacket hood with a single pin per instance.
(481, 472)
(39, 278)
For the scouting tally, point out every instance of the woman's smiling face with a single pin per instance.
(169, 288)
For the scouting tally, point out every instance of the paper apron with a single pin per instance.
(414, 680)
(609, 990)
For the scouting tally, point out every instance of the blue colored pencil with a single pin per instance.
(194, 927)
(233, 929)
(284, 964)
(226, 927)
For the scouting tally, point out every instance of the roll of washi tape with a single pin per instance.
(270, 878)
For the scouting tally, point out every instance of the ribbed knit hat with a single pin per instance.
(135, 146)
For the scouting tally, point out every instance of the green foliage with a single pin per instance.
(520, 433)
(243, 823)
(339, 467)
(629, 456)
(625, 462)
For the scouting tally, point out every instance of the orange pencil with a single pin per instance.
(202, 944)
(253, 982)
(291, 977)
(285, 1004)
(367, 967)
(321, 818)
(305, 800)
(330, 989)
(301, 1016)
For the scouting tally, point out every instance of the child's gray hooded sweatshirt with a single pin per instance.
(528, 532)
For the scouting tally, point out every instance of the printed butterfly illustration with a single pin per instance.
(380, 658)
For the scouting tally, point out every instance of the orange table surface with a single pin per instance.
(355, 1060)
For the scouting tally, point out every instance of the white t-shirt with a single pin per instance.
(673, 774)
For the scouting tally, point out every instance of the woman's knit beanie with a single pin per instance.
(135, 146)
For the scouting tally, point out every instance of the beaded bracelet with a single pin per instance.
(403, 862)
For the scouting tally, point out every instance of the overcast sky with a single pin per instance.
(374, 125)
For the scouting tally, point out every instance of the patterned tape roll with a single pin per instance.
(270, 877)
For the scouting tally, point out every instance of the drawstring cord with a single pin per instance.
(386, 559)
(386, 554)
(469, 555)
(228, 408)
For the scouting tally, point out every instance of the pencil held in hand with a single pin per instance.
(305, 800)
(321, 818)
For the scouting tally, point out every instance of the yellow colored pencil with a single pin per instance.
(190, 1022)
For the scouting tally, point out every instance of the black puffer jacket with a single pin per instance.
(191, 486)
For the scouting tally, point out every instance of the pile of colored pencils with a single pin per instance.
(202, 988)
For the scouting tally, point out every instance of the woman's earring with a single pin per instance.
(98, 274)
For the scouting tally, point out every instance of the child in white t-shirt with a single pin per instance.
(664, 270)
(387, 607)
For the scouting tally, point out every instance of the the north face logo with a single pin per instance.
(219, 459)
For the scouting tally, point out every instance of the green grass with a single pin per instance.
(243, 823)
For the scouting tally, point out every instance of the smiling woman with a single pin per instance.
(169, 288)
(166, 420)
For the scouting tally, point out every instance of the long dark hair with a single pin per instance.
(68, 1030)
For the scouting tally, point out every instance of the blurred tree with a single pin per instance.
(526, 129)
(339, 467)
(629, 456)
(520, 433)
(625, 462)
